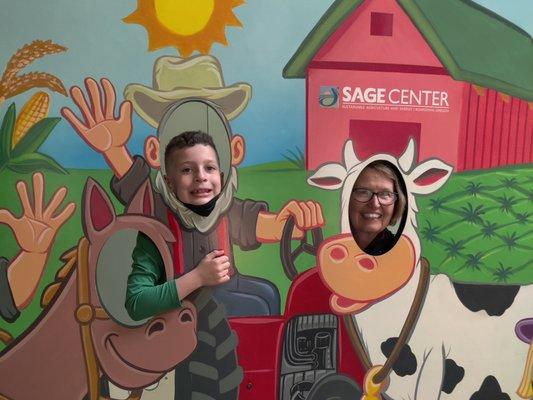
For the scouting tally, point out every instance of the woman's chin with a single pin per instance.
(374, 227)
(368, 233)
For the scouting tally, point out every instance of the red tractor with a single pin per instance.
(306, 353)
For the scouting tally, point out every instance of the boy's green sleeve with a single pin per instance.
(148, 293)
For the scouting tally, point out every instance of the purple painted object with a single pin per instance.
(524, 330)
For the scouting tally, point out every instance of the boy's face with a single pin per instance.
(193, 174)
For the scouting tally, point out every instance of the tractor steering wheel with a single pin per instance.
(288, 256)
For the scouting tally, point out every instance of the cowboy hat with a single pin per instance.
(175, 79)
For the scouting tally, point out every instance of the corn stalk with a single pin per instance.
(22, 156)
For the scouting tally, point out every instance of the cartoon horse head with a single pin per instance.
(84, 330)
(131, 354)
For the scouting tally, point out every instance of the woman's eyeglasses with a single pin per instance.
(385, 198)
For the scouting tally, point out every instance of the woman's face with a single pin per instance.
(371, 217)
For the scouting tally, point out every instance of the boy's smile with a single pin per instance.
(194, 175)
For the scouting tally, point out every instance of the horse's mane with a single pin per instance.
(51, 291)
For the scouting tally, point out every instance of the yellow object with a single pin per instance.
(35, 109)
(184, 17)
(525, 389)
(371, 390)
(187, 25)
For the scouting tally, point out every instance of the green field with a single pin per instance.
(476, 229)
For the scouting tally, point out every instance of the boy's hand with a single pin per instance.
(99, 127)
(214, 268)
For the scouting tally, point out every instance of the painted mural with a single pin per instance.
(330, 121)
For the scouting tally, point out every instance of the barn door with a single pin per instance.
(370, 137)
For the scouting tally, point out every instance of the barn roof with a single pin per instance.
(474, 44)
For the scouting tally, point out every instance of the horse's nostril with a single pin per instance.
(156, 327)
(186, 317)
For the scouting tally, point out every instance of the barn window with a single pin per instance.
(381, 24)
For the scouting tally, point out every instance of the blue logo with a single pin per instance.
(329, 97)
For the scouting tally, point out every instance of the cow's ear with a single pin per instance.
(350, 158)
(408, 157)
(330, 176)
(428, 177)
(143, 201)
(98, 212)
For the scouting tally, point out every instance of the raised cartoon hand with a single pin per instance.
(214, 268)
(36, 229)
(101, 130)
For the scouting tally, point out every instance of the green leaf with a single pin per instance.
(6, 133)
(32, 162)
(35, 137)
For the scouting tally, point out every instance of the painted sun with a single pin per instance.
(187, 25)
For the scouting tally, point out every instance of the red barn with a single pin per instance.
(452, 74)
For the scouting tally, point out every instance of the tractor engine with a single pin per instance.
(309, 354)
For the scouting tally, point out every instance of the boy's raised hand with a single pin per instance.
(214, 268)
(99, 127)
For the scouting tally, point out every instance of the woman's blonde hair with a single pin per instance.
(389, 170)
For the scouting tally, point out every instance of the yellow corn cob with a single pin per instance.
(35, 109)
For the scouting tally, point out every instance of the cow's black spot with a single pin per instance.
(494, 299)
(490, 390)
(453, 374)
(406, 362)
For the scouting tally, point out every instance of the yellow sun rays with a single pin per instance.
(187, 25)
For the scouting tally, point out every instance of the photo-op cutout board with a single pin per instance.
(313, 275)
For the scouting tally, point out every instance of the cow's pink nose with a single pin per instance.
(338, 252)
(367, 263)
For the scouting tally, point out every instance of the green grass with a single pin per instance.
(476, 229)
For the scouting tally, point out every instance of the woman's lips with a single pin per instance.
(371, 215)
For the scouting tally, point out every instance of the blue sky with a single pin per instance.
(100, 44)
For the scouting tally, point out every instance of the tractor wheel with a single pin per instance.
(335, 387)
(211, 371)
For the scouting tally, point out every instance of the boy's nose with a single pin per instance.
(201, 176)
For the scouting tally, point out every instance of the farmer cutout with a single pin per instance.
(190, 94)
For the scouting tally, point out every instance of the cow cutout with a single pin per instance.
(78, 336)
(455, 351)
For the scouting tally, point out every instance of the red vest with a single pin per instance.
(177, 247)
